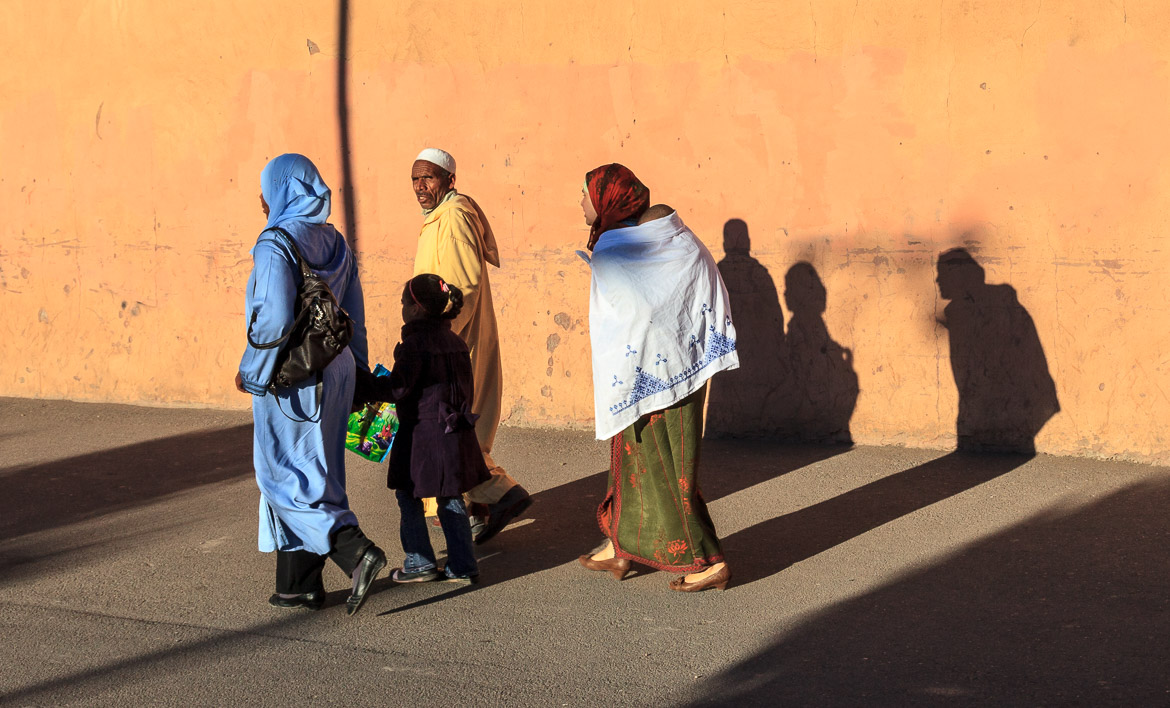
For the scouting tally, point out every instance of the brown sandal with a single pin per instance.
(617, 567)
(717, 580)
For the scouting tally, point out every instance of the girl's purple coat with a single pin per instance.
(435, 453)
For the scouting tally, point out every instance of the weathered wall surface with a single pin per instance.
(863, 139)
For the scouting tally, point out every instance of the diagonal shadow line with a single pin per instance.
(456, 592)
(74, 489)
(563, 519)
(558, 517)
(1064, 607)
(562, 525)
(225, 642)
(431, 600)
(731, 465)
(30, 556)
(773, 545)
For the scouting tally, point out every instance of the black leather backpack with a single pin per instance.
(320, 331)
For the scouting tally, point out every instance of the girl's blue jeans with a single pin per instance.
(416, 540)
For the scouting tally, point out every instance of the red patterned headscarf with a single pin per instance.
(617, 195)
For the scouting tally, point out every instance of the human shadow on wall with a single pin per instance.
(753, 399)
(798, 386)
(1005, 397)
(1006, 393)
(824, 384)
(760, 399)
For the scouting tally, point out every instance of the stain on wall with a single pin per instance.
(862, 140)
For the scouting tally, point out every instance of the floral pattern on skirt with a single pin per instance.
(653, 511)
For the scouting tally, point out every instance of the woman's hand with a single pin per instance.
(240, 383)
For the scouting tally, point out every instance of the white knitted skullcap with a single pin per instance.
(435, 156)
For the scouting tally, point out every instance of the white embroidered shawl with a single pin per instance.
(659, 321)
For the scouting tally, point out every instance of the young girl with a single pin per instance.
(435, 453)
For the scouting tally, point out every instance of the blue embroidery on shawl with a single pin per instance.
(646, 385)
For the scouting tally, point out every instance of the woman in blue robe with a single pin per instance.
(299, 437)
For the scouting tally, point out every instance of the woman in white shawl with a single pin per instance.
(660, 326)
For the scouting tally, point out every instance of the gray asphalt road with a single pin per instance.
(863, 576)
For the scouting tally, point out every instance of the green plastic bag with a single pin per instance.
(370, 431)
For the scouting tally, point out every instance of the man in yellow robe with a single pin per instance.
(457, 244)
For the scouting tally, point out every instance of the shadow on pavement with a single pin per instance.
(730, 466)
(562, 522)
(560, 525)
(564, 519)
(74, 489)
(771, 546)
(91, 685)
(1056, 610)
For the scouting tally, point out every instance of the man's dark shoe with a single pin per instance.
(308, 600)
(372, 562)
(514, 503)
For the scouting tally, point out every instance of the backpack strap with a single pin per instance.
(303, 266)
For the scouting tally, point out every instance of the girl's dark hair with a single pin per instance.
(438, 299)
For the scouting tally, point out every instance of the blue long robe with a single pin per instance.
(298, 449)
(299, 442)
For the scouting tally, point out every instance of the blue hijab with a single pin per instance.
(293, 188)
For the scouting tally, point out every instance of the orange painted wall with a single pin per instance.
(863, 138)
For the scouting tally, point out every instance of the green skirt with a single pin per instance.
(653, 511)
